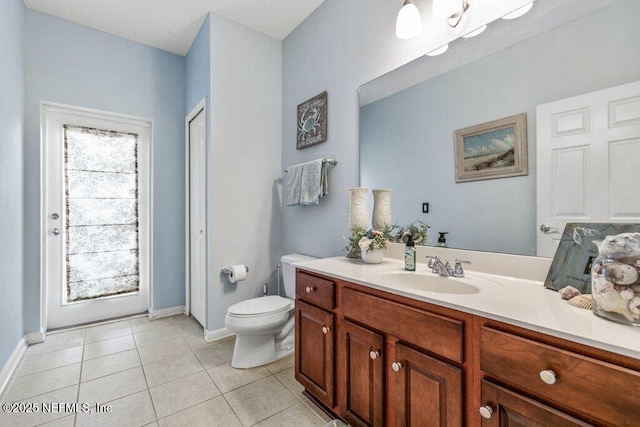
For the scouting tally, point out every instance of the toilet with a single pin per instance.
(264, 326)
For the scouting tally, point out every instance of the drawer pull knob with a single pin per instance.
(374, 354)
(548, 376)
(326, 329)
(310, 289)
(486, 412)
(396, 366)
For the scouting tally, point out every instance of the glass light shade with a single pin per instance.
(519, 12)
(446, 8)
(438, 51)
(475, 32)
(408, 23)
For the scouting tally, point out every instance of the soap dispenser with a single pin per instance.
(410, 255)
(442, 241)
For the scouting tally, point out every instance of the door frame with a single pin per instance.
(201, 106)
(54, 107)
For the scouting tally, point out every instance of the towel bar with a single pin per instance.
(330, 161)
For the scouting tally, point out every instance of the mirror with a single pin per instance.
(407, 136)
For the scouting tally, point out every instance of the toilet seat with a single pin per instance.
(262, 306)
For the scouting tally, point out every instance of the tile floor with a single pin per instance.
(151, 373)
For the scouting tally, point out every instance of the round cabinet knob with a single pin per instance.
(486, 412)
(548, 376)
(374, 354)
(309, 289)
(326, 329)
(396, 366)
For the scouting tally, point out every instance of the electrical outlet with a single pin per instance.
(425, 207)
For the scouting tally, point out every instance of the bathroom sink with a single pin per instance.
(429, 282)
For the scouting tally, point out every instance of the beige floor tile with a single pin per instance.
(58, 341)
(315, 409)
(156, 335)
(107, 365)
(43, 382)
(170, 347)
(110, 346)
(54, 359)
(108, 331)
(68, 421)
(228, 378)
(183, 322)
(144, 323)
(42, 411)
(281, 365)
(195, 340)
(214, 412)
(260, 400)
(217, 353)
(132, 410)
(183, 393)
(112, 387)
(287, 377)
(171, 369)
(296, 415)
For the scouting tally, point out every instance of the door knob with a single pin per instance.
(326, 329)
(55, 231)
(396, 366)
(374, 354)
(548, 229)
(486, 412)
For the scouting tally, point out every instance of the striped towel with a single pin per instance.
(307, 183)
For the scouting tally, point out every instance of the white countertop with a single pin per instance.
(516, 301)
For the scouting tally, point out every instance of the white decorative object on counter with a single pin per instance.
(372, 256)
(381, 209)
(358, 216)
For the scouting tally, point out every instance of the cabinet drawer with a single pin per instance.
(315, 290)
(429, 331)
(597, 389)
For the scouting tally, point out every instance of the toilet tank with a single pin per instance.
(289, 272)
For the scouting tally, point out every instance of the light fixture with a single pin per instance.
(518, 12)
(474, 32)
(408, 23)
(439, 51)
(451, 10)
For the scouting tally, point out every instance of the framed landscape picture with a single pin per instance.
(496, 149)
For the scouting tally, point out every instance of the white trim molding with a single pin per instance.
(166, 312)
(216, 335)
(35, 337)
(12, 364)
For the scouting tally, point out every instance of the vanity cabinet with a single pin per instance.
(315, 336)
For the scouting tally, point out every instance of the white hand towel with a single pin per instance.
(314, 182)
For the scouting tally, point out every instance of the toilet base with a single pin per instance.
(257, 350)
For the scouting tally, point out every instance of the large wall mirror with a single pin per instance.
(407, 137)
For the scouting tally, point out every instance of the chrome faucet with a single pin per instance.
(438, 267)
(444, 269)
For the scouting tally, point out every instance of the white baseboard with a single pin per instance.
(166, 312)
(218, 334)
(35, 337)
(11, 365)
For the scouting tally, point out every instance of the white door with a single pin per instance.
(588, 154)
(95, 215)
(197, 216)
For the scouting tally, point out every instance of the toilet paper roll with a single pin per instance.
(238, 273)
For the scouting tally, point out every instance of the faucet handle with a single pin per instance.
(433, 261)
(457, 268)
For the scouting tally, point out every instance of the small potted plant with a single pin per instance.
(372, 246)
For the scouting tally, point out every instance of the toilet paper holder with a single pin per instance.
(227, 270)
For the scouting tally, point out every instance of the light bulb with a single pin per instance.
(409, 23)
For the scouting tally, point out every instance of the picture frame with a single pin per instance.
(496, 149)
(312, 121)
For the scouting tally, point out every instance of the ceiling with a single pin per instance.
(172, 25)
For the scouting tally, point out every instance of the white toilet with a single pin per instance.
(264, 326)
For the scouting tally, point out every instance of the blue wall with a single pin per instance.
(71, 64)
(198, 69)
(11, 106)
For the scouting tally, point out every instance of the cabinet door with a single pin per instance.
(314, 351)
(505, 408)
(364, 380)
(424, 391)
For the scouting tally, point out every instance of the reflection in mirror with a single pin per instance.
(407, 144)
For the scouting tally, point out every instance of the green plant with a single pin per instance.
(418, 230)
(367, 240)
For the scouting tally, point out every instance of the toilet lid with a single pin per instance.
(261, 305)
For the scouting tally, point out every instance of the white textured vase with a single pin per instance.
(358, 216)
(372, 256)
(381, 209)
